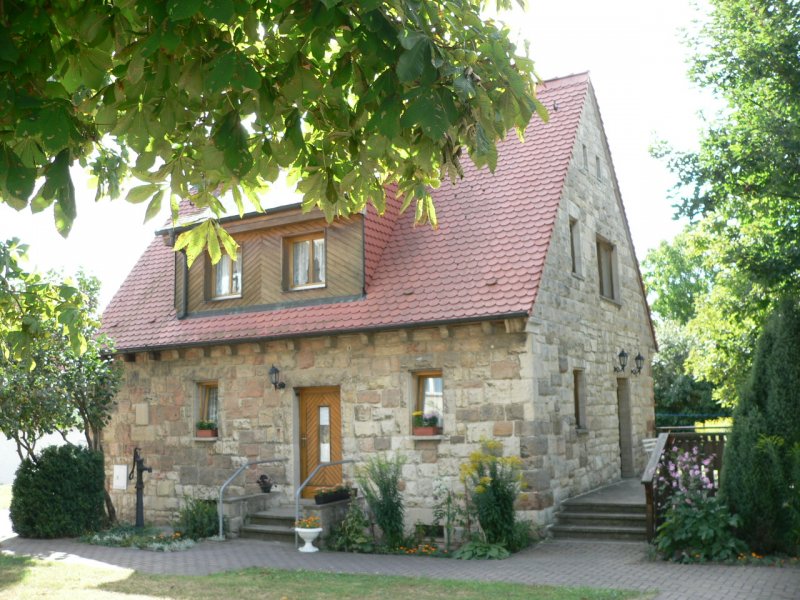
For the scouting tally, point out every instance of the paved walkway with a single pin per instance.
(555, 562)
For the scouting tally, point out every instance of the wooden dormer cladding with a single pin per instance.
(262, 242)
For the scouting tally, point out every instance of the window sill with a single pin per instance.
(231, 297)
(578, 276)
(613, 301)
(302, 288)
(581, 431)
(205, 439)
(429, 438)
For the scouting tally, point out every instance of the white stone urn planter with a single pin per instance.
(308, 535)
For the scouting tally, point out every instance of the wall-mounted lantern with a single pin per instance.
(275, 378)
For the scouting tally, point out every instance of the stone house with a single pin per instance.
(505, 322)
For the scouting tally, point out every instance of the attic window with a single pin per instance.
(575, 246)
(227, 277)
(305, 257)
(607, 269)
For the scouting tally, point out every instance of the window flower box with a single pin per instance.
(205, 429)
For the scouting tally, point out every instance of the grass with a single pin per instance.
(25, 578)
(5, 496)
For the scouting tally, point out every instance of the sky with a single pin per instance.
(636, 61)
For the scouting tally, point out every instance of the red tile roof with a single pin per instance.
(484, 261)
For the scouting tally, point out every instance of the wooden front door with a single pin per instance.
(320, 437)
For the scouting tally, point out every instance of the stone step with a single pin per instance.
(274, 517)
(597, 532)
(276, 533)
(601, 519)
(582, 506)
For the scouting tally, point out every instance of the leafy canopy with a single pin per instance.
(741, 187)
(34, 307)
(55, 388)
(205, 99)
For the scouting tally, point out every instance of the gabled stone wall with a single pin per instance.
(573, 327)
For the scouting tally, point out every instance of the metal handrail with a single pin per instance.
(305, 483)
(221, 535)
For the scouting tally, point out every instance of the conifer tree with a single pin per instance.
(762, 458)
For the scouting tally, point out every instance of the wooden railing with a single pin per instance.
(656, 475)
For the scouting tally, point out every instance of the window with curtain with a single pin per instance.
(307, 261)
(227, 277)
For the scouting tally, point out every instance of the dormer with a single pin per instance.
(286, 258)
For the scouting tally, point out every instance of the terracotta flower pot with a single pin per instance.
(426, 430)
(206, 433)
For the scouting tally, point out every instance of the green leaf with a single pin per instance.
(409, 39)
(221, 10)
(155, 206)
(182, 9)
(414, 61)
(220, 73)
(141, 193)
(429, 113)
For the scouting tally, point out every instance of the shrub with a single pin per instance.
(350, 535)
(697, 526)
(493, 483)
(198, 519)
(479, 549)
(379, 478)
(448, 511)
(61, 494)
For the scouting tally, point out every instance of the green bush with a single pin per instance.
(379, 478)
(350, 535)
(59, 495)
(198, 519)
(481, 550)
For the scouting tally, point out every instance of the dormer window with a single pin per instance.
(227, 277)
(306, 261)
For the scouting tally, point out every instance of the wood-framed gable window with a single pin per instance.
(305, 260)
(226, 277)
(429, 399)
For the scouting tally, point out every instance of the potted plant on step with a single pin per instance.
(308, 529)
(206, 429)
(425, 424)
(265, 483)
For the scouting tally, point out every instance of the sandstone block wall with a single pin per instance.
(488, 392)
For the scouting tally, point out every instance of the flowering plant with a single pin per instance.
(420, 419)
(311, 522)
(697, 525)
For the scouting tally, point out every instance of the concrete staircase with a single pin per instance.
(274, 524)
(611, 513)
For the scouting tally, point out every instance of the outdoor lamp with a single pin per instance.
(639, 360)
(274, 378)
(623, 361)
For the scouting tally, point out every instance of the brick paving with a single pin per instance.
(620, 565)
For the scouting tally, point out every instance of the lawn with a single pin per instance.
(5, 496)
(22, 578)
